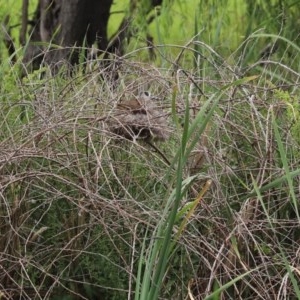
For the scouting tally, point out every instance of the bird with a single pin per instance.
(137, 105)
(139, 117)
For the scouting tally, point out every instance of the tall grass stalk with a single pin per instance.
(162, 241)
(285, 165)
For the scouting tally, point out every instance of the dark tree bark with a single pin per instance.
(67, 23)
(8, 41)
(71, 24)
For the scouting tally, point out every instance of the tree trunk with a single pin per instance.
(67, 23)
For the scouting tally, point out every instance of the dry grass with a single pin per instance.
(76, 198)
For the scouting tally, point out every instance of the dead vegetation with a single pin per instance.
(79, 186)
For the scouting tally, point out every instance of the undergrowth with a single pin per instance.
(84, 211)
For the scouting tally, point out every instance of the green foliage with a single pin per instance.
(292, 112)
(86, 213)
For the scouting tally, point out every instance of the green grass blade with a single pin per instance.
(285, 165)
